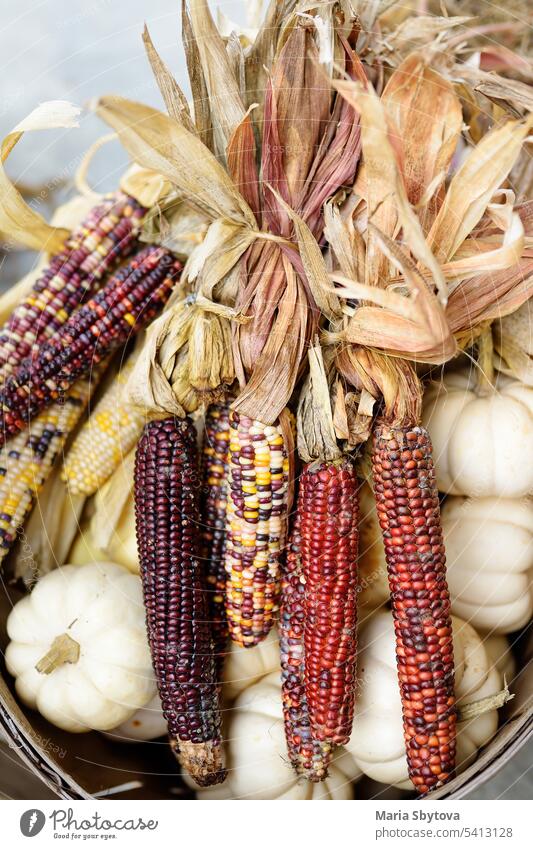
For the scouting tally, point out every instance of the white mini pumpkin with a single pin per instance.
(377, 743)
(85, 628)
(483, 445)
(489, 552)
(256, 755)
(147, 723)
(373, 583)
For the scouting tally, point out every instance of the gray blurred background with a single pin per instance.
(75, 50)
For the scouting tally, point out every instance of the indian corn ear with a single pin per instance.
(310, 757)
(27, 460)
(256, 527)
(328, 515)
(167, 521)
(409, 515)
(105, 237)
(110, 432)
(213, 516)
(128, 301)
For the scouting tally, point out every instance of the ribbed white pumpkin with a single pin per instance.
(147, 723)
(489, 552)
(483, 445)
(108, 674)
(377, 743)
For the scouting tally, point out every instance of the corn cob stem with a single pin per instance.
(213, 514)
(256, 527)
(310, 757)
(167, 520)
(105, 439)
(128, 302)
(27, 460)
(106, 236)
(409, 515)
(327, 512)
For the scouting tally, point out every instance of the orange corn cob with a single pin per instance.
(409, 515)
(328, 513)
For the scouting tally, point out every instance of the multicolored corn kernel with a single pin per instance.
(328, 515)
(310, 757)
(167, 518)
(105, 237)
(409, 515)
(256, 527)
(128, 301)
(213, 518)
(110, 432)
(27, 460)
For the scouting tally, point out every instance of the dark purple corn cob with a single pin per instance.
(409, 515)
(213, 517)
(126, 304)
(328, 515)
(310, 757)
(94, 248)
(167, 521)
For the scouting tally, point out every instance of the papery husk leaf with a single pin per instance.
(474, 184)
(224, 244)
(480, 261)
(200, 95)
(148, 387)
(259, 59)
(210, 357)
(156, 141)
(429, 119)
(47, 536)
(275, 372)
(173, 97)
(110, 501)
(496, 87)
(146, 186)
(313, 263)
(315, 430)
(175, 225)
(242, 166)
(226, 106)
(386, 195)
(18, 221)
(513, 344)
(346, 242)
(287, 427)
(421, 29)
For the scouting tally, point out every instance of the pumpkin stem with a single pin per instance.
(63, 650)
(485, 363)
(480, 706)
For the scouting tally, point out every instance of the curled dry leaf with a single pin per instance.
(316, 436)
(513, 344)
(18, 221)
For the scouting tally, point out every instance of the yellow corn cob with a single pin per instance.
(256, 527)
(27, 459)
(111, 431)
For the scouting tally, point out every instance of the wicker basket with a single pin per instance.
(84, 766)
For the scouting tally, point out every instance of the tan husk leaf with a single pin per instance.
(474, 184)
(315, 430)
(146, 186)
(200, 96)
(210, 359)
(175, 225)
(110, 501)
(227, 109)
(160, 143)
(385, 192)
(513, 343)
(175, 100)
(18, 221)
(49, 532)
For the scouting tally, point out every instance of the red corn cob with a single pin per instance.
(213, 515)
(128, 302)
(309, 756)
(106, 236)
(409, 515)
(327, 511)
(167, 519)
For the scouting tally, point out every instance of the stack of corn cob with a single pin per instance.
(218, 553)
